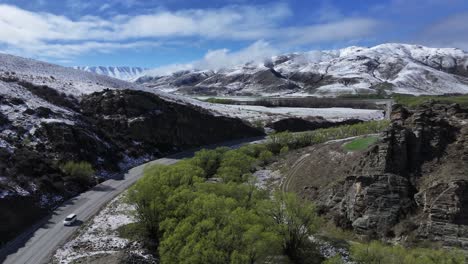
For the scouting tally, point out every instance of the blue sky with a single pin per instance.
(170, 33)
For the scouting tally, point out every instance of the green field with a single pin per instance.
(414, 101)
(360, 143)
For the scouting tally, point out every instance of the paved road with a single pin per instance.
(37, 245)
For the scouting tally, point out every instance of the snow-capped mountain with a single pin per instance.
(390, 68)
(123, 73)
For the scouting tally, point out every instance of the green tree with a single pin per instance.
(209, 160)
(217, 230)
(81, 172)
(295, 221)
(151, 193)
(235, 166)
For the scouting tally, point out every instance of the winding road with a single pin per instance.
(38, 244)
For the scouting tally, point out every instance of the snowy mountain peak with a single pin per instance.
(386, 68)
(123, 72)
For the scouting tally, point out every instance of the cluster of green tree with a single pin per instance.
(414, 101)
(81, 172)
(379, 253)
(284, 141)
(194, 220)
(207, 209)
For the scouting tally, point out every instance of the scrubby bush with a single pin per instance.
(284, 150)
(265, 156)
(377, 252)
(81, 172)
(296, 220)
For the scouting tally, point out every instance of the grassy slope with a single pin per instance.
(360, 143)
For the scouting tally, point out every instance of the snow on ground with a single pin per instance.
(99, 235)
(267, 178)
(253, 113)
(328, 250)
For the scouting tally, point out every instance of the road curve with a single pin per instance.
(37, 245)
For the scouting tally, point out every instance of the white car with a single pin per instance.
(69, 220)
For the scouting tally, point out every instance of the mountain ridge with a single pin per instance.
(385, 68)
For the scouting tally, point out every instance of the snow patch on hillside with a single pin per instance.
(123, 73)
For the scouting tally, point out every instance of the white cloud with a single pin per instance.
(64, 52)
(222, 58)
(31, 32)
(449, 32)
(345, 29)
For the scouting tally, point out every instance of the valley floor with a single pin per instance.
(254, 113)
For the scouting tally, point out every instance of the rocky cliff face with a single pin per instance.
(140, 123)
(413, 184)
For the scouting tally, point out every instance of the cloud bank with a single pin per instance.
(222, 58)
(56, 36)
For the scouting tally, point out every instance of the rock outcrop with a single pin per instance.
(413, 184)
(142, 123)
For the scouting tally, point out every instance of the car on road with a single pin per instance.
(70, 219)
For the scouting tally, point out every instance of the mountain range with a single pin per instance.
(386, 68)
